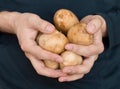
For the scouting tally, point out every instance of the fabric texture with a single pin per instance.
(16, 72)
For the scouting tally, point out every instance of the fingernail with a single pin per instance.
(62, 79)
(68, 47)
(90, 28)
(50, 28)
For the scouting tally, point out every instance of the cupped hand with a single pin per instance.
(27, 26)
(95, 25)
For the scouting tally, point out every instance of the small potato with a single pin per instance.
(70, 59)
(54, 42)
(51, 64)
(77, 34)
(64, 19)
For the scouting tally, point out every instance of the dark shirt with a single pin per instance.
(16, 72)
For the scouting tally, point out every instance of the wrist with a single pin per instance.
(7, 20)
(14, 16)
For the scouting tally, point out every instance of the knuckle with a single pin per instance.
(52, 75)
(88, 54)
(100, 49)
(33, 16)
(76, 49)
(87, 70)
(49, 57)
(97, 50)
(23, 47)
(82, 76)
(38, 72)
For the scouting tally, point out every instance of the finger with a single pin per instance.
(84, 68)
(41, 69)
(86, 19)
(93, 26)
(71, 78)
(43, 26)
(98, 41)
(96, 48)
(85, 50)
(33, 49)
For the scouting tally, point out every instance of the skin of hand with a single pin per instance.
(96, 25)
(26, 26)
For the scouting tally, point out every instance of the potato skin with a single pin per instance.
(67, 22)
(64, 19)
(70, 59)
(51, 64)
(54, 42)
(77, 34)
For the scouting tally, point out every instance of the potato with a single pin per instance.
(51, 64)
(77, 34)
(54, 42)
(70, 59)
(64, 19)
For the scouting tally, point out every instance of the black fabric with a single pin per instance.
(16, 72)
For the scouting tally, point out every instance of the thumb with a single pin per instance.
(93, 26)
(44, 26)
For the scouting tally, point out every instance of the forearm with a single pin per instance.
(7, 20)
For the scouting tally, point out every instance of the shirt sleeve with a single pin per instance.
(112, 18)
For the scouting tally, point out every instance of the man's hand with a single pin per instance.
(95, 25)
(26, 26)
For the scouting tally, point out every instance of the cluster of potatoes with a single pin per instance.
(68, 30)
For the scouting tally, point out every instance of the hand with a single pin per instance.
(95, 25)
(26, 27)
